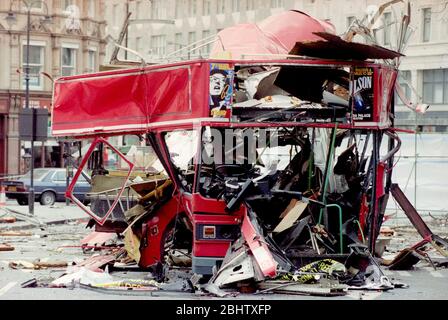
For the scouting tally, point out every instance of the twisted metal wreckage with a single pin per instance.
(274, 162)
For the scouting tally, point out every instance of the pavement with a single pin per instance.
(59, 213)
(57, 235)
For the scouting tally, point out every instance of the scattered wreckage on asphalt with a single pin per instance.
(272, 170)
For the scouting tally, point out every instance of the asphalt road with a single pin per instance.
(59, 243)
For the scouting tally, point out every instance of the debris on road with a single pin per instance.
(37, 265)
(323, 288)
(8, 219)
(6, 247)
(32, 283)
(387, 231)
(404, 260)
(97, 262)
(100, 239)
(15, 234)
(440, 244)
(82, 275)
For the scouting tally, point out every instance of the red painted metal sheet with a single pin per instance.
(155, 232)
(214, 247)
(381, 169)
(388, 79)
(111, 102)
(94, 103)
(259, 248)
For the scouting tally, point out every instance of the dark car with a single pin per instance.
(49, 186)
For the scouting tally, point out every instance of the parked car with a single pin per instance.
(49, 186)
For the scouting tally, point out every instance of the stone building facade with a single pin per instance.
(66, 38)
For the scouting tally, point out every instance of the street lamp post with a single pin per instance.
(11, 17)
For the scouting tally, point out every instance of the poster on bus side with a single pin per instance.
(362, 93)
(221, 90)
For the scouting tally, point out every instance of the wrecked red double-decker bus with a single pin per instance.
(279, 159)
(266, 167)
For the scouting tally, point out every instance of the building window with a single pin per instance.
(426, 24)
(250, 5)
(158, 9)
(191, 37)
(220, 6)
(91, 63)
(435, 86)
(404, 79)
(206, 34)
(138, 44)
(91, 9)
(236, 5)
(206, 7)
(178, 41)
(276, 3)
(158, 45)
(178, 9)
(138, 9)
(68, 65)
(192, 8)
(387, 28)
(35, 65)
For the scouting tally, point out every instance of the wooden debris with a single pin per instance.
(6, 247)
(387, 232)
(132, 245)
(404, 260)
(8, 219)
(135, 211)
(15, 233)
(95, 263)
(22, 264)
(157, 193)
(290, 215)
(54, 264)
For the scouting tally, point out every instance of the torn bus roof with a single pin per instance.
(336, 48)
(276, 34)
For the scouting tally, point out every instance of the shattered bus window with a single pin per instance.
(182, 148)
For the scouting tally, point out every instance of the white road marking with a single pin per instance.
(404, 273)
(7, 287)
(436, 274)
